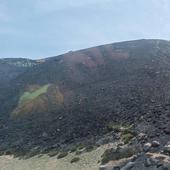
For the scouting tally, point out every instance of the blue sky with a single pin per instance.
(42, 28)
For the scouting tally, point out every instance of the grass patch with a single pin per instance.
(28, 96)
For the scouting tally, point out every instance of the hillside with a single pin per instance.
(10, 68)
(77, 95)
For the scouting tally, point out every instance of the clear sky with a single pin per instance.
(42, 28)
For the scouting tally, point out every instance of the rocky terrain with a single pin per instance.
(115, 93)
(140, 153)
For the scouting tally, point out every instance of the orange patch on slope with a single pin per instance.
(116, 54)
(41, 104)
(73, 59)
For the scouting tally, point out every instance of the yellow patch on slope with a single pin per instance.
(31, 95)
(59, 96)
(38, 100)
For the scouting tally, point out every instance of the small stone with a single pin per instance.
(159, 164)
(142, 136)
(103, 167)
(116, 168)
(134, 158)
(164, 168)
(167, 131)
(148, 162)
(155, 144)
(128, 166)
(166, 149)
(147, 147)
(152, 162)
(44, 134)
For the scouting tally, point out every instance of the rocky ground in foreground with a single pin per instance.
(124, 148)
(138, 151)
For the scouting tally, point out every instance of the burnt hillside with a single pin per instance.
(80, 93)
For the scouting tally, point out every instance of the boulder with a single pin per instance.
(155, 144)
(166, 149)
(147, 147)
(148, 162)
(142, 136)
(44, 134)
(151, 162)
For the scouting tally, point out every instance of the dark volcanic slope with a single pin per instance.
(79, 94)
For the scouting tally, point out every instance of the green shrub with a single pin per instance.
(127, 131)
(74, 160)
(116, 154)
(127, 134)
(73, 149)
(127, 137)
(113, 127)
(8, 152)
(80, 146)
(108, 155)
(89, 148)
(52, 153)
(62, 155)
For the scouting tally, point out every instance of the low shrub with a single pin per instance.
(126, 138)
(52, 153)
(89, 148)
(116, 154)
(74, 160)
(62, 155)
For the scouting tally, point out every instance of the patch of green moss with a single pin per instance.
(28, 96)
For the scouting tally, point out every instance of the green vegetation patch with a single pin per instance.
(74, 160)
(127, 135)
(116, 127)
(28, 96)
(62, 155)
(52, 153)
(126, 138)
(116, 154)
